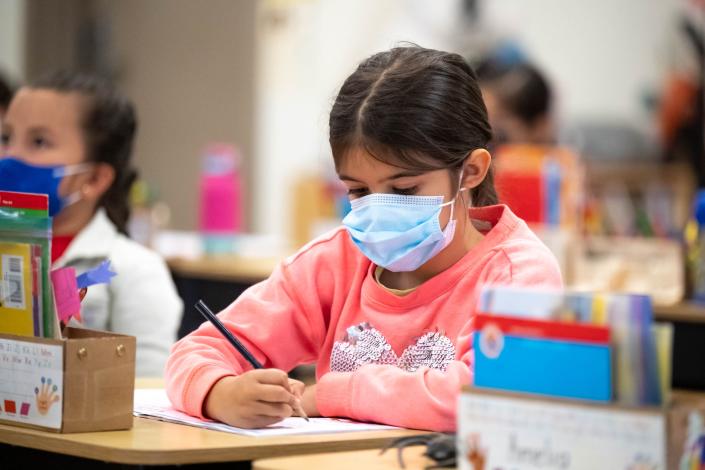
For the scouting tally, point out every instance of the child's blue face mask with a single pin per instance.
(18, 176)
(399, 233)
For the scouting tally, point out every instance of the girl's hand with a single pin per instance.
(254, 399)
(297, 388)
(308, 401)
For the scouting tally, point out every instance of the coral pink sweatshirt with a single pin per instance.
(380, 357)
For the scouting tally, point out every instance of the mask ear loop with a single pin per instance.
(451, 203)
(460, 190)
(71, 170)
(72, 198)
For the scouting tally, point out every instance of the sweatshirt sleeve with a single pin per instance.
(270, 320)
(426, 398)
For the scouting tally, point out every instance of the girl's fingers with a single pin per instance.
(273, 394)
(272, 410)
(273, 377)
(297, 387)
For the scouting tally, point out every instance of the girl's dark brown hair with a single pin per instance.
(109, 126)
(414, 108)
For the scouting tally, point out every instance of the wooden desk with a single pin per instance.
(367, 459)
(218, 280)
(229, 268)
(683, 312)
(152, 442)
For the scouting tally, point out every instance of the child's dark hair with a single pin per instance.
(6, 92)
(521, 88)
(109, 126)
(414, 108)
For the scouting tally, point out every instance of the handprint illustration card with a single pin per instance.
(31, 388)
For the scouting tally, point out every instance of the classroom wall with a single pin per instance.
(604, 57)
(190, 68)
(12, 31)
(304, 52)
(264, 73)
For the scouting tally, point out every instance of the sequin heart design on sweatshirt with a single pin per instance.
(364, 344)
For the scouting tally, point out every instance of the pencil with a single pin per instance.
(211, 317)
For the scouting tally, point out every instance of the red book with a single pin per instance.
(545, 329)
(523, 193)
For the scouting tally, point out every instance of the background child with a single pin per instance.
(519, 101)
(384, 305)
(71, 136)
(5, 96)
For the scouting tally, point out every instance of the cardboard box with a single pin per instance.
(84, 382)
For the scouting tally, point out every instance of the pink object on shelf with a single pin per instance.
(220, 191)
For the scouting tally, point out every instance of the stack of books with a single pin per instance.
(26, 299)
(589, 346)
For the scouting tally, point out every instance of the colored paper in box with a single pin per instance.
(68, 304)
(98, 275)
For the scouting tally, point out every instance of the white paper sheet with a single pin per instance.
(154, 403)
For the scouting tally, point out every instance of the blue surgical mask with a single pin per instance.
(399, 233)
(18, 176)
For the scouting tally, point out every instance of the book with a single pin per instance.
(37, 312)
(551, 358)
(16, 287)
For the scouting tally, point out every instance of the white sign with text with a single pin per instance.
(507, 432)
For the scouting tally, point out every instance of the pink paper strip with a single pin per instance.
(68, 303)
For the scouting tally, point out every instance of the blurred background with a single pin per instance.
(241, 89)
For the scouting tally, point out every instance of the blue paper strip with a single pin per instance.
(99, 275)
